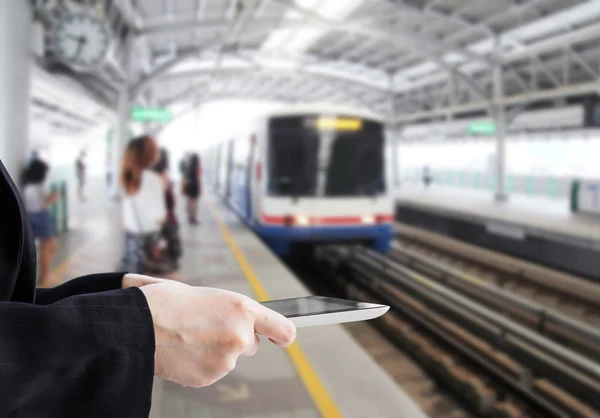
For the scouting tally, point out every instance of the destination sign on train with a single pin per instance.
(338, 124)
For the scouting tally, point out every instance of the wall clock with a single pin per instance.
(81, 41)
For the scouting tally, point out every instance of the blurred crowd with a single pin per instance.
(152, 243)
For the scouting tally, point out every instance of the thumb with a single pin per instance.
(139, 280)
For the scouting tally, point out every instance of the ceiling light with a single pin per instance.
(336, 9)
(276, 40)
(302, 39)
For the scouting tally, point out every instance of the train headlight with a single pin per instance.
(302, 220)
(368, 219)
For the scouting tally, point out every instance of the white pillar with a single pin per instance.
(15, 78)
(121, 130)
(500, 120)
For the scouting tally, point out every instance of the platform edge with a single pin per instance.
(317, 391)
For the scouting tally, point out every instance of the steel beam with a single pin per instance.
(537, 48)
(533, 50)
(266, 25)
(410, 39)
(555, 66)
(345, 93)
(129, 11)
(584, 65)
(273, 71)
(565, 91)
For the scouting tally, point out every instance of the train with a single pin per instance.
(308, 175)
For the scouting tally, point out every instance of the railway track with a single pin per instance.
(492, 363)
(434, 399)
(560, 306)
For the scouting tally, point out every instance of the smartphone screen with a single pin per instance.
(330, 310)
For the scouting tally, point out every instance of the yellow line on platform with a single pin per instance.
(309, 377)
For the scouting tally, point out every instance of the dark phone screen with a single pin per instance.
(314, 305)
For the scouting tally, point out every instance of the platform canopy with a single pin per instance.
(434, 57)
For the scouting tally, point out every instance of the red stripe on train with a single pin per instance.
(331, 220)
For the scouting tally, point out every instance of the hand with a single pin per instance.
(139, 280)
(200, 332)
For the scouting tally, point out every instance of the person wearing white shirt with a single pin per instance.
(143, 204)
(37, 199)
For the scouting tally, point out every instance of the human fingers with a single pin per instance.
(252, 348)
(139, 280)
(280, 330)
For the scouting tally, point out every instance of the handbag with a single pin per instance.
(171, 226)
(171, 235)
(156, 258)
(184, 187)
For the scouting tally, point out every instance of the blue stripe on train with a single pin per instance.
(279, 238)
(324, 232)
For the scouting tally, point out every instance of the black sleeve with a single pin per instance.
(80, 286)
(84, 356)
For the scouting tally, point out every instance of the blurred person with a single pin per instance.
(80, 174)
(183, 164)
(192, 187)
(91, 346)
(109, 170)
(171, 225)
(33, 156)
(144, 211)
(38, 199)
(162, 169)
(427, 177)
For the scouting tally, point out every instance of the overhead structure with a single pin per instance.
(61, 106)
(440, 54)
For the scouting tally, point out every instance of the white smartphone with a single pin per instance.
(312, 311)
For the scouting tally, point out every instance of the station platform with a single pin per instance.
(540, 230)
(325, 373)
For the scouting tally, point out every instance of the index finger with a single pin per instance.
(279, 329)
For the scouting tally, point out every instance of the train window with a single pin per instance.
(305, 159)
(356, 162)
(291, 158)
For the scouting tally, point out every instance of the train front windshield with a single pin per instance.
(311, 156)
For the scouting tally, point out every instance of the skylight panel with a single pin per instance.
(299, 40)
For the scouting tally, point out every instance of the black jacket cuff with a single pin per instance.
(91, 283)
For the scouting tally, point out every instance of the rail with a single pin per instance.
(548, 278)
(552, 367)
(545, 320)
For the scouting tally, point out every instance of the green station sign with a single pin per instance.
(151, 114)
(481, 128)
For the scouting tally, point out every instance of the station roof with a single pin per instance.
(433, 57)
